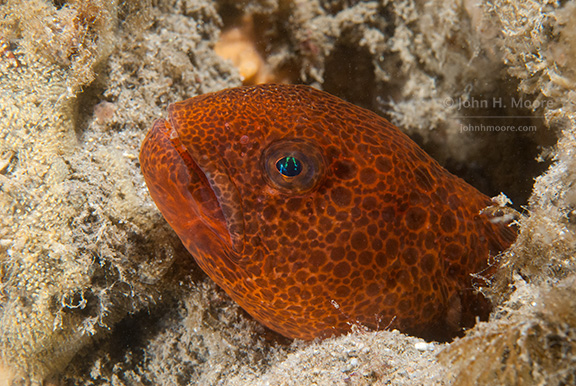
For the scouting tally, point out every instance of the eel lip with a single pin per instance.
(217, 198)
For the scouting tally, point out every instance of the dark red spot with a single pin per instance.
(368, 274)
(344, 236)
(372, 229)
(301, 276)
(447, 222)
(391, 247)
(454, 270)
(344, 170)
(388, 214)
(341, 196)
(312, 234)
(428, 263)
(372, 289)
(331, 211)
(342, 269)
(415, 218)
(293, 291)
(430, 240)
(331, 237)
(317, 258)
(269, 212)
(359, 241)
(325, 224)
(410, 256)
(365, 258)
(294, 204)
(369, 203)
(424, 284)
(254, 269)
(381, 259)
(292, 229)
(351, 256)
(383, 164)
(343, 291)
(337, 253)
(368, 176)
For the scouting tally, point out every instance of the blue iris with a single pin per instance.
(289, 166)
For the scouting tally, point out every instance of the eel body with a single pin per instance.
(316, 215)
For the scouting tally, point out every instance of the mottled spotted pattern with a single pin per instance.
(383, 237)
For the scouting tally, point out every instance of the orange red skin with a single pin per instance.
(386, 238)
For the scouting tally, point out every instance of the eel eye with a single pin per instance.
(293, 166)
(289, 166)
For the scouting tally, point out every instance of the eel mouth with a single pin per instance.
(217, 199)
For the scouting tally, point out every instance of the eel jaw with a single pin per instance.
(211, 184)
(185, 197)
